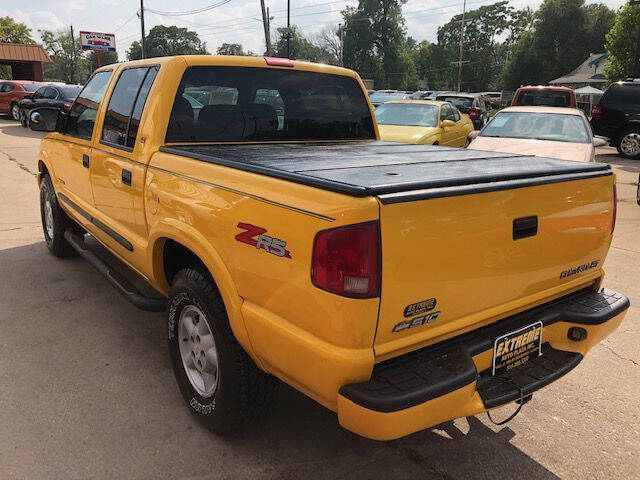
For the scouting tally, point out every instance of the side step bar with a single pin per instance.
(119, 282)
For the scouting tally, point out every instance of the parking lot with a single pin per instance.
(87, 390)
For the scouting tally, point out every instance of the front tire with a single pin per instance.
(221, 385)
(629, 144)
(15, 111)
(54, 220)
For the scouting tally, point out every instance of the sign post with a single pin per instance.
(99, 42)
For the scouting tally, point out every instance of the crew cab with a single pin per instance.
(397, 285)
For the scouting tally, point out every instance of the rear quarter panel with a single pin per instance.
(273, 295)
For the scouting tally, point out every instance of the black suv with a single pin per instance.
(470, 103)
(617, 116)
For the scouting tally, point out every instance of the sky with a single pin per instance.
(235, 21)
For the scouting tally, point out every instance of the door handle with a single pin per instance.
(126, 177)
(525, 227)
(85, 160)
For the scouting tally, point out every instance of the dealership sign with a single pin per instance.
(102, 42)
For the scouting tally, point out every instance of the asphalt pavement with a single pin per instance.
(87, 391)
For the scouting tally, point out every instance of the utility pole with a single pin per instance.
(636, 63)
(265, 23)
(464, 9)
(73, 54)
(142, 27)
(341, 34)
(289, 28)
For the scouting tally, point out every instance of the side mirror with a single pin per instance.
(473, 135)
(447, 123)
(45, 119)
(599, 142)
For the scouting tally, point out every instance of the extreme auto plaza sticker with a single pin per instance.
(517, 347)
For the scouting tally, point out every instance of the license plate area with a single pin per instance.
(516, 348)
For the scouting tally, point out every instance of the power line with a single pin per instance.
(133, 15)
(188, 12)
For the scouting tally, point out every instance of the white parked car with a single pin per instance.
(554, 132)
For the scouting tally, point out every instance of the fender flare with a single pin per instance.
(189, 237)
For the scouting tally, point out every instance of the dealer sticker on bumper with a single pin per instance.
(516, 348)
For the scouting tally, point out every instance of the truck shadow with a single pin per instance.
(102, 366)
(16, 130)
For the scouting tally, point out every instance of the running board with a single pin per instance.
(118, 281)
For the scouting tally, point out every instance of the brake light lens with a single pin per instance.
(615, 208)
(596, 112)
(346, 260)
(473, 113)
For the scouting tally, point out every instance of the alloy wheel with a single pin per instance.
(198, 351)
(630, 144)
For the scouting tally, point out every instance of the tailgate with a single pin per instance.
(453, 263)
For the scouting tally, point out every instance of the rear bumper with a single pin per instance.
(453, 379)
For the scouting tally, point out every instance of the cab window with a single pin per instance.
(125, 106)
(82, 116)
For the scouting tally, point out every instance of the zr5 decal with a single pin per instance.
(255, 236)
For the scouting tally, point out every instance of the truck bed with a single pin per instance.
(391, 171)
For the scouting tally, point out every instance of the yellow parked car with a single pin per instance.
(424, 122)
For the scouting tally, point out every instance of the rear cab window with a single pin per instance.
(234, 104)
(125, 106)
(621, 94)
(542, 97)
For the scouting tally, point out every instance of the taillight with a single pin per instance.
(596, 112)
(346, 260)
(615, 208)
(473, 113)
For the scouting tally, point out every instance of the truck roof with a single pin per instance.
(391, 171)
(237, 61)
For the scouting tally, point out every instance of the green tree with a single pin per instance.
(14, 32)
(107, 59)
(375, 42)
(564, 33)
(621, 43)
(433, 66)
(164, 41)
(484, 53)
(68, 61)
(301, 47)
(230, 49)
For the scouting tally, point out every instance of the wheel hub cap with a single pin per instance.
(48, 218)
(198, 351)
(15, 112)
(630, 144)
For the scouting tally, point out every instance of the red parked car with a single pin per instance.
(544, 96)
(11, 92)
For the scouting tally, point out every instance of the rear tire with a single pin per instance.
(629, 144)
(54, 220)
(221, 385)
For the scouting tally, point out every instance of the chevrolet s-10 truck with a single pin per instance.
(400, 286)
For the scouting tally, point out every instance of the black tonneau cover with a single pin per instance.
(394, 172)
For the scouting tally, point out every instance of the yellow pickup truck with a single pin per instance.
(397, 285)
